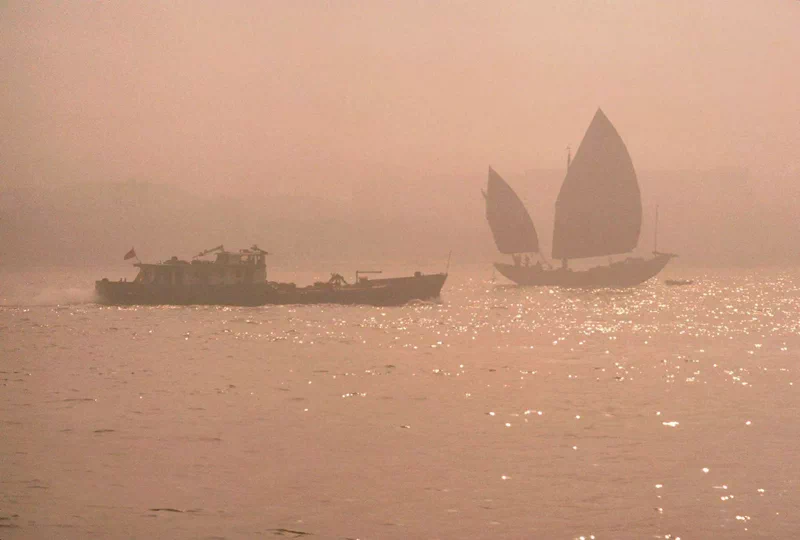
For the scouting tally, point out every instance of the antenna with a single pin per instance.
(447, 270)
(207, 251)
(569, 156)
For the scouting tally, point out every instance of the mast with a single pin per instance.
(655, 234)
(565, 261)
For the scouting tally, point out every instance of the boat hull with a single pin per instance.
(379, 292)
(618, 275)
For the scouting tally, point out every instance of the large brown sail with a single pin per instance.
(599, 207)
(510, 222)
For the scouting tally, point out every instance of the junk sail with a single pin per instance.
(510, 222)
(599, 207)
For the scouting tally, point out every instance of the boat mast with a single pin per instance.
(655, 234)
(565, 262)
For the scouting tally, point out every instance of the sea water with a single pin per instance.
(495, 412)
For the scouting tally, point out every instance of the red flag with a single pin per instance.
(130, 255)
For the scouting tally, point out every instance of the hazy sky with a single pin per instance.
(263, 95)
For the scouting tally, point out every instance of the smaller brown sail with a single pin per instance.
(511, 225)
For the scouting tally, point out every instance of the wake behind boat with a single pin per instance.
(598, 213)
(240, 279)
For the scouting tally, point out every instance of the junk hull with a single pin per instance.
(618, 275)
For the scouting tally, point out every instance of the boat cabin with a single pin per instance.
(246, 266)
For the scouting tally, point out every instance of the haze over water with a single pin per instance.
(344, 130)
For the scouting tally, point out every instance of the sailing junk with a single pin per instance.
(598, 213)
